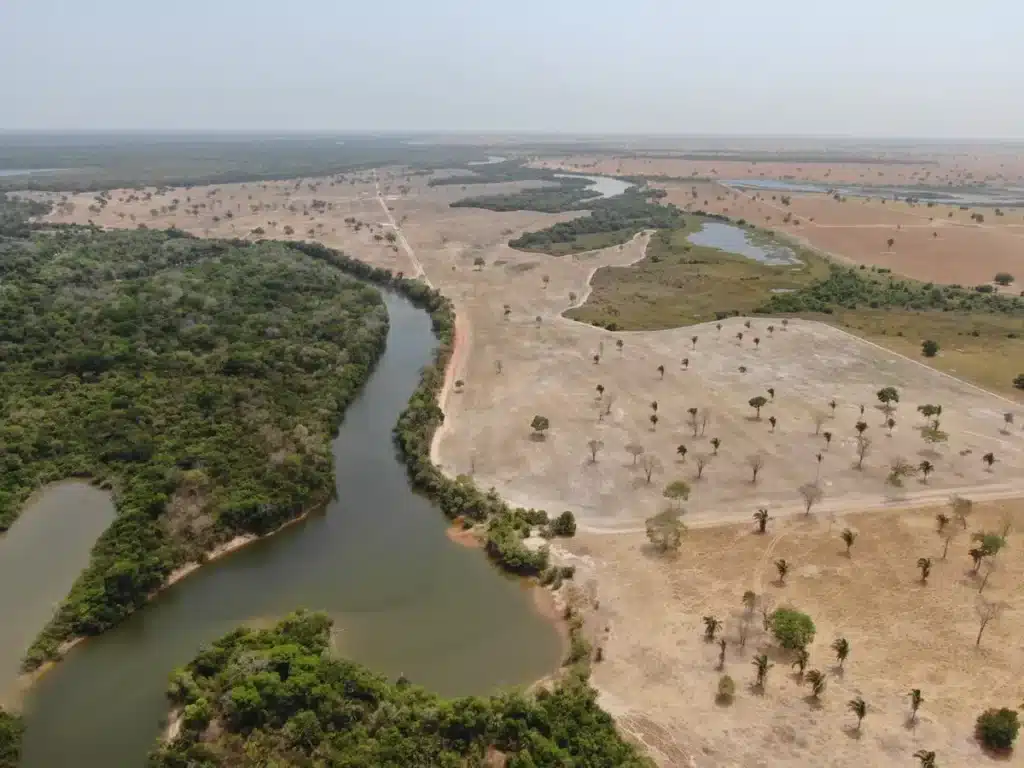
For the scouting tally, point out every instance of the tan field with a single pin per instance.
(917, 167)
(658, 672)
(939, 244)
(659, 676)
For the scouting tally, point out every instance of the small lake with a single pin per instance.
(733, 239)
(491, 160)
(40, 558)
(405, 598)
(605, 186)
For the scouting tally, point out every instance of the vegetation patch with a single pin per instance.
(278, 697)
(12, 728)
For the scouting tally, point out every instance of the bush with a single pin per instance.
(1018, 381)
(929, 348)
(792, 628)
(726, 690)
(997, 728)
(564, 525)
(1003, 278)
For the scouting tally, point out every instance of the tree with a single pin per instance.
(926, 757)
(665, 530)
(860, 426)
(594, 445)
(757, 341)
(596, 358)
(997, 728)
(859, 709)
(987, 611)
(890, 423)
(792, 628)
(761, 665)
(961, 509)
(890, 242)
(757, 403)
(681, 450)
(863, 447)
(818, 418)
(726, 690)
(564, 525)
(739, 336)
(650, 464)
(899, 468)
(848, 538)
(828, 439)
(539, 425)
(693, 340)
(771, 393)
(619, 344)
(929, 411)
(1018, 381)
(756, 462)
(929, 348)
(761, 518)
(694, 422)
(715, 443)
(916, 700)
(832, 405)
(817, 681)
(635, 450)
(783, 568)
(701, 460)
(925, 468)
(888, 395)
(1008, 421)
(661, 371)
(654, 421)
(1003, 278)
(925, 564)
(802, 658)
(711, 627)
(989, 459)
(600, 391)
(654, 405)
(812, 494)
(677, 491)
(841, 646)
(773, 421)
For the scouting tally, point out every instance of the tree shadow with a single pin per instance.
(837, 671)
(852, 731)
(538, 437)
(813, 701)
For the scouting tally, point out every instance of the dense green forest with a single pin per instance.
(11, 729)
(201, 380)
(277, 697)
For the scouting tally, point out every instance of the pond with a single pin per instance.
(733, 239)
(405, 598)
(40, 558)
(605, 186)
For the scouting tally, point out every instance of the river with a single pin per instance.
(405, 599)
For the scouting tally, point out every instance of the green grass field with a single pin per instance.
(680, 284)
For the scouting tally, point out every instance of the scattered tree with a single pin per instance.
(701, 460)
(600, 391)
(926, 468)
(997, 729)
(761, 665)
(925, 756)
(859, 709)
(539, 425)
(929, 348)
(792, 628)
(661, 371)
(987, 611)
(803, 656)
(654, 421)
(756, 462)
(761, 517)
(619, 344)
(899, 468)
(715, 443)
(817, 681)
(989, 459)
(925, 564)
(711, 627)
(783, 568)
(635, 450)
(726, 690)
(841, 647)
(828, 439)
(650, 464)
(681, 450)
(1003, 278)
(693, 340)
(757, 403)
(863, 447)
(860, 426)
(771, 393)
(812, 494)
(916, 700)
(677, 492)
(594, 445)
(848, 538)
(665, 530)
(888, 395)
(890, 423)
(564, 525)
(818, 418)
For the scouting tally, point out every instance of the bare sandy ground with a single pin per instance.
(547, 367)
(659, 677)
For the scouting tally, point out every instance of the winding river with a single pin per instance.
(405, 599)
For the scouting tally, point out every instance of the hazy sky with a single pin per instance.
(937, 68)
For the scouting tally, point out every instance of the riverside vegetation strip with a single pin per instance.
(277, 696)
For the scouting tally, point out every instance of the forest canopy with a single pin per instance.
(277, 697)
(201, 380)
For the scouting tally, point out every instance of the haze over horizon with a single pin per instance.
(795, 68)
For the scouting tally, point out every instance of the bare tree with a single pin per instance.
(594, 445)
(961, 509)
(701, 460)
(704, 416)
(812, 494)
(819, 418)
(650, 464)
(863, 447)
(694, 421)
(756, 462)
(987, 611)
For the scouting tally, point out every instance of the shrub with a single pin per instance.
(997, 728)
(792, 628)
(1018, 381)
(929, 348)
(726, 690)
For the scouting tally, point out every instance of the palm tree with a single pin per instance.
(681, 450)
(761, 516)
(762, 665)
(783, 568)
(925, 564)
(916, 700)
(927, 758)
(848, 538)
(941, 520)
(817, 681)
(925, 468)
(802, 657)
(842, 648)
(859, 708)
(711, 627)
